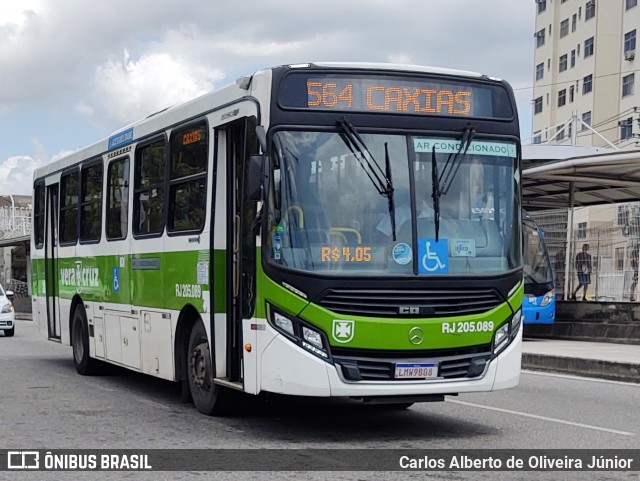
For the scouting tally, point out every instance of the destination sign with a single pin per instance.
(395, 95)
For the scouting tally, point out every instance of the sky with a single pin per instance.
(74, 71)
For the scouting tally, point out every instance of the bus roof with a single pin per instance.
(213, 99)
(394, 66)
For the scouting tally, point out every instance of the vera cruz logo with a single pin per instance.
(343, 331)
(80, 277)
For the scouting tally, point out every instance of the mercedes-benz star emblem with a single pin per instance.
(416, 335)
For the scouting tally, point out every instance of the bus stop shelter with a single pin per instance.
(565, 176)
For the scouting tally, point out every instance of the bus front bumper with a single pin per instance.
(286, 368)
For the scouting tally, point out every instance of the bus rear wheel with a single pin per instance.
(80, 342)
(208, 397)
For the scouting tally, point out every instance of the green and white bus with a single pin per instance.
(325, 229)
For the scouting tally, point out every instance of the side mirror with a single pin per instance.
(257, 177)
(9, 295)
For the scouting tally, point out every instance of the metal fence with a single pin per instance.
(610, 235)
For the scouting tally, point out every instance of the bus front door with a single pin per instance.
(50, 261)
(240, 143)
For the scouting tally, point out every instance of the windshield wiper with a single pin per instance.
(453, 163)
(390, 198)
(442, 183)
(435, 192)
(380, 179)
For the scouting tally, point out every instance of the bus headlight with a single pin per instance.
(284, 323)
(516, 320)
(507, 332)
(300, 333)
(312, 336)
(501, 338)
(7, 308)
(548, 297)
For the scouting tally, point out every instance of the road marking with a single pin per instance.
(542, 418)
(580, 378)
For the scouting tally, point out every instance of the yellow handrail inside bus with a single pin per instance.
(298, 209)
(341, 230)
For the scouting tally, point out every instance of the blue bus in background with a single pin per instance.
(539, 304)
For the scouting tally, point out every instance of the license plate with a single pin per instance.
(416, 371)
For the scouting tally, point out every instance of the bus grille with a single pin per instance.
(465, 363)
(423, 302)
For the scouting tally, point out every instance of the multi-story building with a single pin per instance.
(585, 70)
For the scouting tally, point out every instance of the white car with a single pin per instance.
(7, 321)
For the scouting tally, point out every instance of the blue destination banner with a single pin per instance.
(452, 146)
(424, 460)
(121, 138)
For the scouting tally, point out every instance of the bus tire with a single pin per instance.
(80, 342)
(10, 332)
(208, 397)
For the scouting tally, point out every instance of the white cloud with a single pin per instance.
(62, 61)
(128, 89)
(16, 174)
(18, 13)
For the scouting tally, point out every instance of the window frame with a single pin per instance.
(39, 214)
(563, 63)
(589, 10)
(630, 41)
(536, 102)
(583, 120)
(564, 28)
(62, 207)
(540, 71)
(542, 6)
(628, 83)
(125, 158)
(138, 190)
(581, 231)
(626, 129)
(628, 4)
(82, 203)
(540, 38)
(589, 49)
(562, 98)
(177, 181)
(537, 137)
(587, 84)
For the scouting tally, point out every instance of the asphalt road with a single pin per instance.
(45, 404)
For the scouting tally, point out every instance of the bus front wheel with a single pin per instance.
(80, 341)
(209, 398)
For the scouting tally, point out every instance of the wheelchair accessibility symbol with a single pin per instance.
(434, 256)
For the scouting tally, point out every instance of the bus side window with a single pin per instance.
(118, 199)
(69, 201)
(149, 188)
(188, 178)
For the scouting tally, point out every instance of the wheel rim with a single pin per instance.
(201, 366)
(78, 342)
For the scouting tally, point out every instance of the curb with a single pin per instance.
(615, 371)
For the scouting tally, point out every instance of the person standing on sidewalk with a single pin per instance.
(583, 268)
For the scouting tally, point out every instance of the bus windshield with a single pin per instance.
(342, 207)
(536, 263)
